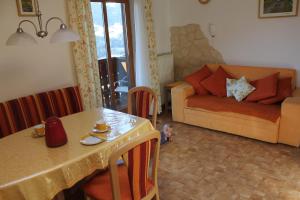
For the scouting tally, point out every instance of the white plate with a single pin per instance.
(91, 140)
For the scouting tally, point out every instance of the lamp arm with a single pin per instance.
(53, 18)
(23, 21)
(39, 15)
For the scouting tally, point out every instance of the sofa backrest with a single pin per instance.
(25, 112)
(253, 73)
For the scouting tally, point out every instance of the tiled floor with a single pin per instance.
(204, 164)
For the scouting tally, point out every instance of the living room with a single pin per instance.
(217, 80)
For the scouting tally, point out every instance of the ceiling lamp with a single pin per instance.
(21, 38)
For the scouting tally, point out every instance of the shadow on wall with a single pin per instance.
(191, 50)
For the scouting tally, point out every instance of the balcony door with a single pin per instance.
(114, 49)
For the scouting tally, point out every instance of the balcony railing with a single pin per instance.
(114, 83)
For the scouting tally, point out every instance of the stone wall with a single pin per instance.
(191, 50)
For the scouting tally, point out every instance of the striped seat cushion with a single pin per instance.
(99, 187)
(45, 105)
(25, 112)
(12, 118)
(139, 163)
(18, 114)
(30, 111)
(72, 99)
(136, 175)
(143, 101)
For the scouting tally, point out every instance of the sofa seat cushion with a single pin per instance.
(219, 104)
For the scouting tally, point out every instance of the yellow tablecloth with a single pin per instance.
(30, 170)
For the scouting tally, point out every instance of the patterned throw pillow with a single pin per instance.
(230, 85)
(240, 89)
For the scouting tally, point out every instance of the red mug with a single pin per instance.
(55, 134)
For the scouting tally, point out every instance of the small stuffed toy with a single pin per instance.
(166, 134)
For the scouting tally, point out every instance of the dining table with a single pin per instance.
(29, 170)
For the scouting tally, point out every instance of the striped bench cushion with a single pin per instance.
(25, 112)
(140, 161)
(143, 101)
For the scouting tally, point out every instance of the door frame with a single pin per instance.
(129, 35)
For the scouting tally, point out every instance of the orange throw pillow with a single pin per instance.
(195, 79)
(284, 90)
(265, 88)
(216, 83)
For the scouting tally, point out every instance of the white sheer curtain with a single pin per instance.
(142, 70)
(145, 53)
(85, 53)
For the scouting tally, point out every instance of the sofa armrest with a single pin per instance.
(296, 92)
(179, 94)
(289, 131)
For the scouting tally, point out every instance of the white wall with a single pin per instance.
(243, 38)
(27, 70)
(161, 18)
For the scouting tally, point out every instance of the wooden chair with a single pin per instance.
(136, 183)
(140, 101)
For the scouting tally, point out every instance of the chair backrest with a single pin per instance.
(140, 102)
(142, 155)
(25, 112)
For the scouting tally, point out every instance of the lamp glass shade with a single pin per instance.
(64, 35)
(20, 39)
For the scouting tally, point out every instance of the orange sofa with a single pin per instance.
(269, 123)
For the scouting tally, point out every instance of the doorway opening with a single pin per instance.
(114, 50)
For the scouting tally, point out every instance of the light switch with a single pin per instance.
(212, 30)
